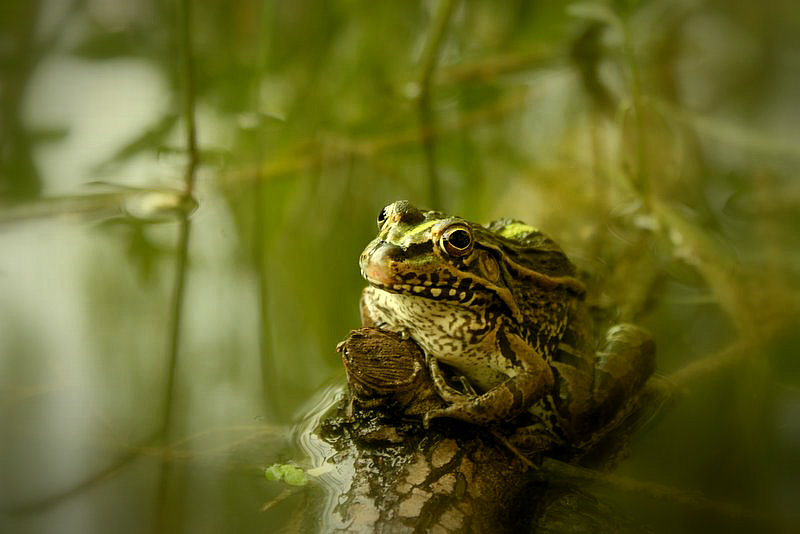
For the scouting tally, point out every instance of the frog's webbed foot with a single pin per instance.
(503, 401)
(453, 397)
(500, 402)
(533, 439)
(466, 386)
(448, 393)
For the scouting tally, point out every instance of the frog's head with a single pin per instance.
(432, 255)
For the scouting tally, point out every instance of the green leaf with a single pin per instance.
(294, 476)
(287, 473)
(273, 473)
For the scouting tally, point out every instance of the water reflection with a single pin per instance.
(134, 204)
(102, 105)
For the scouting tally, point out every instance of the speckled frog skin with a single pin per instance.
(501, 306)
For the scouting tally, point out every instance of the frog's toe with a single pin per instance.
(464, 411)
(532, 439)
(453, 396)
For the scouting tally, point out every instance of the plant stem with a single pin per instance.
(182, 260)
(429, 61)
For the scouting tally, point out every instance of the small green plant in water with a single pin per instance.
(288, 473)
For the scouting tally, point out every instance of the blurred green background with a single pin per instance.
(155, 357)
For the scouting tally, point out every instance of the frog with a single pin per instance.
(501, 316)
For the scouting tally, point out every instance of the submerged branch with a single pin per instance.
(580, 476)
(86, 484)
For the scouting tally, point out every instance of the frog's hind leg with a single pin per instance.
(621, 402)
(622, 366)
(532, 439)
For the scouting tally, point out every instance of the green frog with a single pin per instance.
(501, 317)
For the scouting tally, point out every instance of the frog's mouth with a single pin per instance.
(377, 274)
(378, 264)
(386, 266)
(381, 277)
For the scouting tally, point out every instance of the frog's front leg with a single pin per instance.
(505, 400)
(445, 391)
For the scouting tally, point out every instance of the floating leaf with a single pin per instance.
(288, 473)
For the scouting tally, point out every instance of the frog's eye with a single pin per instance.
(456, 240)
(382, 216)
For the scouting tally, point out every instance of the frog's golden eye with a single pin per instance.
(456, 240)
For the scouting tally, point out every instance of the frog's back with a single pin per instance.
(530, 248)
